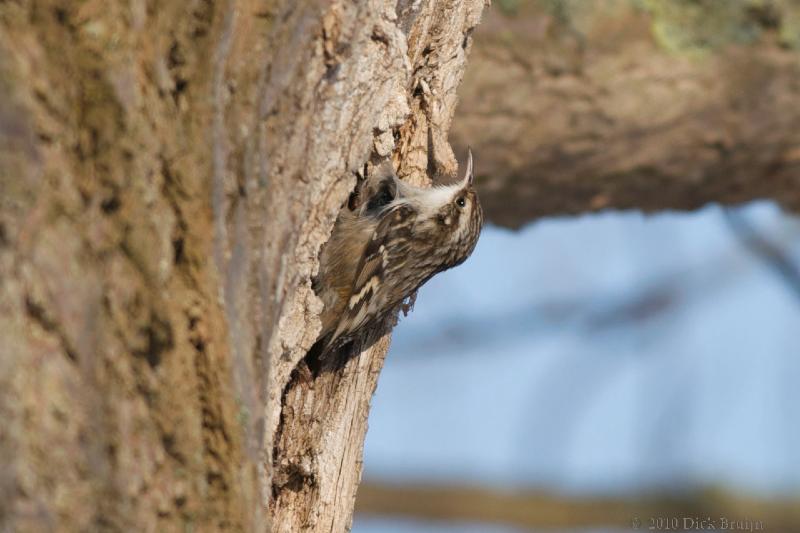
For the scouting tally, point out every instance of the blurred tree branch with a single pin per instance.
(542, 510)
(771, 253)
(575, 106)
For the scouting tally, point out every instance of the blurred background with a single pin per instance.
(635, 366)
(585, 371)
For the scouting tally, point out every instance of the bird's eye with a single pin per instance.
(461, 202)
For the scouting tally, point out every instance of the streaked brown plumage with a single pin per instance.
(383, 250)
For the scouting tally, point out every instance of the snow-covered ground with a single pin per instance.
(603, 353)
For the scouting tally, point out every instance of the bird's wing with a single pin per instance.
(374, 286)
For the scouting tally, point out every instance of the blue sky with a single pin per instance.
(603, 353)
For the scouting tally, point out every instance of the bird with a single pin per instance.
(386, 244)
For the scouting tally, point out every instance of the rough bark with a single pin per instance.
(573, 106)
(168, 173)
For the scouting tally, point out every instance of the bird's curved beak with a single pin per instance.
(468, 176)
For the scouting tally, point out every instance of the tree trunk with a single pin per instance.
(168, 173)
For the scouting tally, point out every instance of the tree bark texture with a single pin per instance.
(574, 106)
(168, 173)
